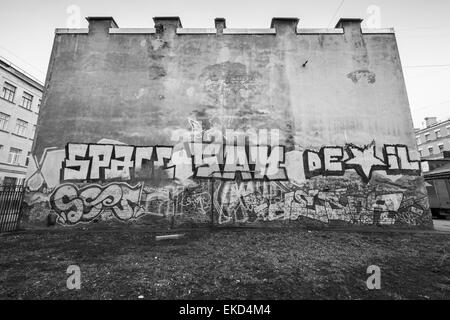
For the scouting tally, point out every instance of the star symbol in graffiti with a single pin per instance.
(364, 160)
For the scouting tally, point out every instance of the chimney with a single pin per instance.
(284, 25)
(429, 121)
(101, 25)
(220, 24)
(350, 24)
(167, 24)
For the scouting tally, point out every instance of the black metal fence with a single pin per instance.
(11, 197)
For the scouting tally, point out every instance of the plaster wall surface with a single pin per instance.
(334, 101)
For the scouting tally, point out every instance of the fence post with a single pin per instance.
(212, 202)
(22, 196)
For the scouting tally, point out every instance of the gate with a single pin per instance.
(11, 197)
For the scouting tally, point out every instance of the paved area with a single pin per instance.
(442, 225)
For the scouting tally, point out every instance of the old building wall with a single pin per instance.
(173, 126)
(16, 141)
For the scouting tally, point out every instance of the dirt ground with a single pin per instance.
(224, 264)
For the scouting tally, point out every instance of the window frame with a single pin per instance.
(7, 179)
(4, 120)
(33, 131)
(27, 160)
(5, 89)
(25, 127)
(437, 133)
(14, 157)
(29, 101)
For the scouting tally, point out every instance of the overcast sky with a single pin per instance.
(422, 29)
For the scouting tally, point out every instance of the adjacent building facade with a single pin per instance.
(20, 99)
(434, 139)
(171, 126)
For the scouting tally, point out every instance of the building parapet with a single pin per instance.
(377, 31)
(10, 67)
(170, 24)
(196, 30)
(431, 127)
(72, 31)
(320, 31)
(250, 31)
(132, 30)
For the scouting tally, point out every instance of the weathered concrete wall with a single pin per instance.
(309, 126)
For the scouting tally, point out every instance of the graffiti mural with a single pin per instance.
(352, 204)
(93, 162)
(75, 205)
(227, 177)
(172, 201)
(336, 160)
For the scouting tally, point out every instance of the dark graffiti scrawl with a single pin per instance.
(176, 201)
(240, 202)
(124, 202)
(352, 204)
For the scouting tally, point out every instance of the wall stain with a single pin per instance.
(357, 75)
(156, 72)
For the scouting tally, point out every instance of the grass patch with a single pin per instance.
(224, 264)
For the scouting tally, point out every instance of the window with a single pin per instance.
(21, 127)
(14, 156)
(418, 140)
(427, 137)
(430, 150)
(27, 100)
(4, 119)
(441, 148)
(9, 91)
(9, 181)
(438, 134)
(27, 161)
(420, 153)
(39, 105)
(33, 131)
